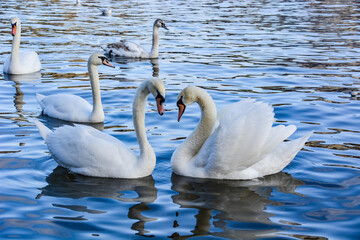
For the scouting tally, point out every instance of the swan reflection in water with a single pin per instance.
(238, 208)
(64, 184)
(155, 67)
(53, 123)
(19, 79)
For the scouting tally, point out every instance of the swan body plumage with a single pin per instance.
(73, 108)
(85, 150)
(239, 142)
(129, 49)
(20, 62)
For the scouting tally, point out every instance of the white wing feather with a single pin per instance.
(243, 137)
(65, 106)
(79, 149)
(126, 49)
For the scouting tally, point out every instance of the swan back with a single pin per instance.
(126, 48)
(88, 151)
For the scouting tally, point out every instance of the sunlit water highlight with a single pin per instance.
(299, 56)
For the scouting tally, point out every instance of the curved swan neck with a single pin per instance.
(139, 104)
(206, 125)
(97, 111)
(154, 53)
(16, 43)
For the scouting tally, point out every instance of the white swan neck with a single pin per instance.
(154, 53)
(16, 44)
(97, 114)
(205, 127)
(147, 155)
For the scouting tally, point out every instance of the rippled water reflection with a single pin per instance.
(299, 56)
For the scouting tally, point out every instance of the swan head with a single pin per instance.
(157, 89)
(99, 59)
(15, 25)
(160, 23)
(185, 98)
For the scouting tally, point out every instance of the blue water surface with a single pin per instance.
(302, 57)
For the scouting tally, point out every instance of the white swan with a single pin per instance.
(20, 62)
(132, 50)
(73, 108)
(85, 150)
(239, 143)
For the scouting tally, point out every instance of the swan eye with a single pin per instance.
(104, 59)
(159, 96)
(164, 26)
(13, 29)
(180, 101)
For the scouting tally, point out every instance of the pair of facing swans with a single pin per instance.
(238, 142)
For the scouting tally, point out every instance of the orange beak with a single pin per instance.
(181, 110)
(159, 105)
(13, 30)
(108, 64)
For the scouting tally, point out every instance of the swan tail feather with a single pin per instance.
(39, 98)
(44, 131)
(296, 145)
(279, 158)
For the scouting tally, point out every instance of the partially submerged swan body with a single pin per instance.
(20, 62)
(73, 108)
(129, 49)
(238, 143)
(87, 151)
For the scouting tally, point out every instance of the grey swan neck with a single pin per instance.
(154, 53)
